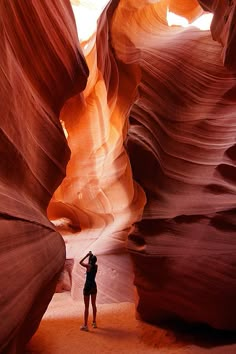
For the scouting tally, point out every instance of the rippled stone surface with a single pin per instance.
(147, 151)
(40, 63)
(169, 93)
(181, 145)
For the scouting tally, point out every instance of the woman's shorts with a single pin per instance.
(89, 291)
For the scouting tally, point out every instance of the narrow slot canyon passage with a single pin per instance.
(117, 136)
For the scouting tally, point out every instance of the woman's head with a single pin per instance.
(92, 259)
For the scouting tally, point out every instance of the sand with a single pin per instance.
(118, 332)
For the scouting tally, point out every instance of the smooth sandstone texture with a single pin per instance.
(98, 191)
(181, 145)
(152, 141)
(41, 65)
(170, 90)
(99, 195)
(223, 28)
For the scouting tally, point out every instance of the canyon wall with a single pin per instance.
(130, 138)
(181, 145)
(41, 65)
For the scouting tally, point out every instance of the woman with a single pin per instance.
(90, 288)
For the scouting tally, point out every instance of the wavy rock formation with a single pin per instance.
(152, 144)
(98, 194)
(181, 145)
(223, 28)
(41, 65)
(98, 191)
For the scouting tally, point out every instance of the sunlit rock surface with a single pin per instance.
(98, 191)
(150, 163)
(41, 65)
(223, 28)
(98, 194)
(180, 143)
(181, 147)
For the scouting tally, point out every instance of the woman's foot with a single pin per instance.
(84, 328)
(94, 324)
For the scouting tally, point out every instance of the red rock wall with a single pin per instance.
(154, 127)
(181, 136)
(41, 65)
(181, 145)
(99, 192)
(223, 28)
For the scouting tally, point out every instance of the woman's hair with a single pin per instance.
(92, 259)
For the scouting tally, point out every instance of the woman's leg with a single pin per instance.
(93, 300)
(86, 309)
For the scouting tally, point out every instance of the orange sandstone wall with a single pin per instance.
(98, 192)
(41, 65)
(149, 115)
(168, 95)
(181, 144)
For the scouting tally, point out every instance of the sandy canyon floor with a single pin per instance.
(118, 332)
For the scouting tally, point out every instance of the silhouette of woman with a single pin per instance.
(90, 289)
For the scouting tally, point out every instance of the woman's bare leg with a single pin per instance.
(93, 300)
(86, 309)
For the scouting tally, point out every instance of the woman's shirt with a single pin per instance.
(91, 275)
